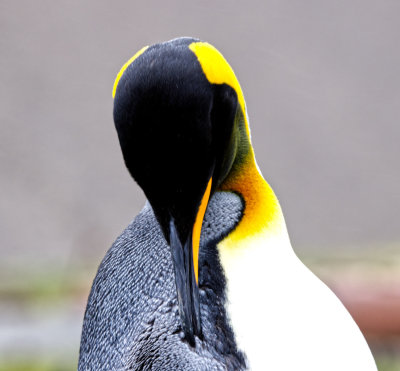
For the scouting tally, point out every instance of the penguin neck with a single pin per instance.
(248, 254)
(262, 214)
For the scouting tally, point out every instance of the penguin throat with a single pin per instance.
(262, 213)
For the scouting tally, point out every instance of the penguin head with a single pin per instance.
(175, 130)
(180, 136)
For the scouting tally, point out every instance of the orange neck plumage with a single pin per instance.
(262, 211)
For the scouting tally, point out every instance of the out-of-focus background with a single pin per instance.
(322, 85)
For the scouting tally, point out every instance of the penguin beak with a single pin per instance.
(185, 256)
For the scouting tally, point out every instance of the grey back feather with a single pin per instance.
(132, 320)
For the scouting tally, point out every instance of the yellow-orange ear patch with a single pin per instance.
(124, 67)
(218, 71)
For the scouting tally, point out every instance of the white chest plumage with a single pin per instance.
(283, 316)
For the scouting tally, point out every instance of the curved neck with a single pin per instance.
(262, 213)
(257, 244)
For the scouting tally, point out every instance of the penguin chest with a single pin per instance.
(283, 316)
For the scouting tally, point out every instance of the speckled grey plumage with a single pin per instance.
(132, 320)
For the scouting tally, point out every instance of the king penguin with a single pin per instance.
(204, 278)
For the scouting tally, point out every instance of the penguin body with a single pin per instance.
(205, 277)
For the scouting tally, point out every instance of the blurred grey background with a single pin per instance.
(322, 85)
